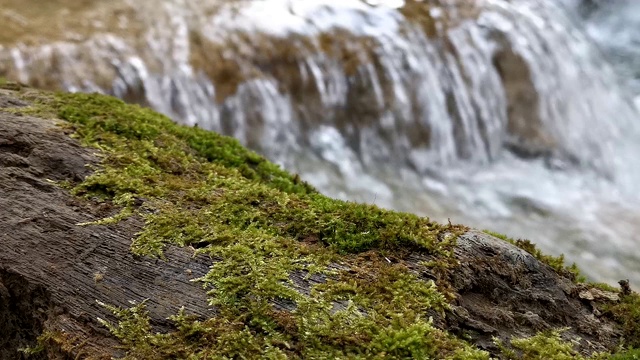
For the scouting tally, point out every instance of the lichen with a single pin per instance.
(631, 354)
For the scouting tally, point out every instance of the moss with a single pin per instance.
(56, 344)
(143, 148)
(631, 354)
(627, 313)
(264, 227)
(356, 337)
(9, 85)
(544, 345)
(604, 287)
(556, 262)
(266, 230)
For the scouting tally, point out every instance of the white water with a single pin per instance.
(421, 128)
(615, 26)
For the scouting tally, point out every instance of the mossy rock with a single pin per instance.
(225, 255)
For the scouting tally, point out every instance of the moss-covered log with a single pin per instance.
(126, 235)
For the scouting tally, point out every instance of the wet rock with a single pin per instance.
(527, 135)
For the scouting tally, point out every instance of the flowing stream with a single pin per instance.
(500, 114)
(615, 27)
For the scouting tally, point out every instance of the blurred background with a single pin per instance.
(518, 116)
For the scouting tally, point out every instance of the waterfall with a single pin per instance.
(497, 113)
(615, 27)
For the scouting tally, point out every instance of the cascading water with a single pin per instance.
(615, 27)
(496, 113)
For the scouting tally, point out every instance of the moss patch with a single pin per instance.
(264, 230)
(263, 227)
(545, 345)
(632, 354)
(627, 313)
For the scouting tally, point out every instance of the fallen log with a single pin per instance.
(70, 244)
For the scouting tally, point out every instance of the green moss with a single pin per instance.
(9, 85)
(604, 287)
(627, 313)
(345, 333)
(543, 346)
(556, 262)
(263, 227)
(52, 343)
(150, 144)
(631, 354)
